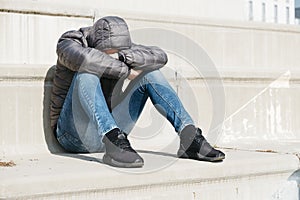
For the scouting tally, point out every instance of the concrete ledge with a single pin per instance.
(208, 22)
(243, 175)
(44, 71)
(65, 8)
(27, 91)
(18, 72)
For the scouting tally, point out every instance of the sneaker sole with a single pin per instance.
(182, 154)
(110, 161)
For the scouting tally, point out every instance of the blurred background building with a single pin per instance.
(270, 11)
(274, 11)
(297, 12)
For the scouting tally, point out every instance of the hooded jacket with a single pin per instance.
(82, 51)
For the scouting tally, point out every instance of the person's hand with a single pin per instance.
(133, 74)
(114, 55)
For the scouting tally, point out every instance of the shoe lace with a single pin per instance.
(124, 143)
(199, 139)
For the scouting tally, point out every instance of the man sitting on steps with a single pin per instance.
(89, 111)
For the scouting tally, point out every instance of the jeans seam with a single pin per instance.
(93, 109)
(90, 104)
(64, 133)
(177, 114)
(67, 135)
(86, 96)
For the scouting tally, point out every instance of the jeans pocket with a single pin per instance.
(71, 143)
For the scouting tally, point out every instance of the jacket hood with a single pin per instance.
(110, 32)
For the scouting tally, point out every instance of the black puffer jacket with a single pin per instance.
(82, 51)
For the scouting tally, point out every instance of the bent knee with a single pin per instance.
(87, 78)
(155, 76)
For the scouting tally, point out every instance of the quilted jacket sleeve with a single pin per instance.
(146, 58)
(73, 53)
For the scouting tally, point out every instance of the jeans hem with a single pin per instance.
(108, 130)
(183, 126)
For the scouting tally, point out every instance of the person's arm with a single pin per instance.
(145, 58)
(74, 54)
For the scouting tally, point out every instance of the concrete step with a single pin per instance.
(26, 139)
(259, 108)
(242, 175)
(265, 117)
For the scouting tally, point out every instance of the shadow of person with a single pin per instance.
(52, 143)
(296, 177)
(94, 157)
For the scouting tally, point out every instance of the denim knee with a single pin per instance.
(87, 79)
(155, 77)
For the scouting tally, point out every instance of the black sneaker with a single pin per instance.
(119, 152)
(193, 145)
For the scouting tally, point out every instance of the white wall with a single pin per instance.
(212, 9)
(31, 39)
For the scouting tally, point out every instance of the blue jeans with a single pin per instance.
(85, 117)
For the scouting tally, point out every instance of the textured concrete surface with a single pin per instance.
(243, 175)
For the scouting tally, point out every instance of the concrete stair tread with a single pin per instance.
(50, 174)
